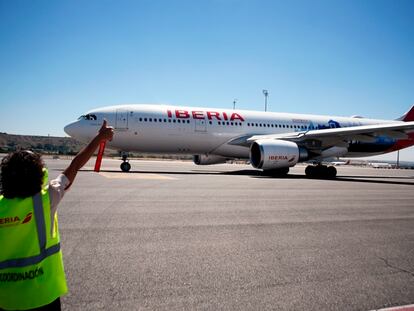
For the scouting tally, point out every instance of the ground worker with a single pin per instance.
(31, 266)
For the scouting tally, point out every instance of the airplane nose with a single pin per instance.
(71, 129)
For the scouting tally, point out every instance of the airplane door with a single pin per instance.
(200, 125)
(121, 121)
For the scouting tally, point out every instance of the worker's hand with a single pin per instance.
(106, 132)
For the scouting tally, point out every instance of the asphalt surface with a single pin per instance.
(176, 236)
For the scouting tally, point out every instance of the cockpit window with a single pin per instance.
(88, 117)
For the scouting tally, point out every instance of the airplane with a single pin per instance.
(272, 142)
(338, 163)
(380, 165)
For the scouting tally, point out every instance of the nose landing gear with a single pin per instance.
(320, 171)
(125, 166)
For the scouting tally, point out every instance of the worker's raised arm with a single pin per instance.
(105, 133)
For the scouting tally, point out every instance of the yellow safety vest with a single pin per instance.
(31, 265)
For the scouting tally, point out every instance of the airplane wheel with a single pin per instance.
(320, 171)
(125, 166)
(310, 171)
(331, 172)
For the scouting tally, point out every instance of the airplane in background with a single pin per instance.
(273, 142)
(339, 163)
(380, 165)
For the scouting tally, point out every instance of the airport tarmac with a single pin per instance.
(176, 236)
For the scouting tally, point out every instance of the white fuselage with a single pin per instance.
(196, 130)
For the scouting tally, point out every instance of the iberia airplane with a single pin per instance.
(273, 142)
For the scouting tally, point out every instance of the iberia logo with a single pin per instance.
(27, 218)
(15, 220)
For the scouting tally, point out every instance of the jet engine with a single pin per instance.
(270, 154)
(207, 159)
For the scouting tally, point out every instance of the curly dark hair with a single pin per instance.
(21, 174)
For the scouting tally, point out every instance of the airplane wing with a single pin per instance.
(318, 140)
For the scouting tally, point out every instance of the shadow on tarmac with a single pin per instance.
(258, 174)
(369, 179)
(361, 179)
(192, 172)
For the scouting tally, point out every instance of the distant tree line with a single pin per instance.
(41, 144)
(64, 146)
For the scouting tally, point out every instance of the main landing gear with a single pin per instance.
(320, 171)
(125, 166)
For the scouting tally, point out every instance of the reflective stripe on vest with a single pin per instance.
(41, 233)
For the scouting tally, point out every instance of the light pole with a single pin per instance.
(234, 103)
(265, 93)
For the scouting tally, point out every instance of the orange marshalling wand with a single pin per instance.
(99, 156)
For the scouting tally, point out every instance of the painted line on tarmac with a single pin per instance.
(400, 308)
(135, 176)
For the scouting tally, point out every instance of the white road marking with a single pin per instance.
(400, 308)
(135, 176)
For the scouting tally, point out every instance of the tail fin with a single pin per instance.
(408, 116)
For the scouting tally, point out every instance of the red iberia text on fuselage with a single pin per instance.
(210, 115)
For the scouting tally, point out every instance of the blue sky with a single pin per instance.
(59, 59)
